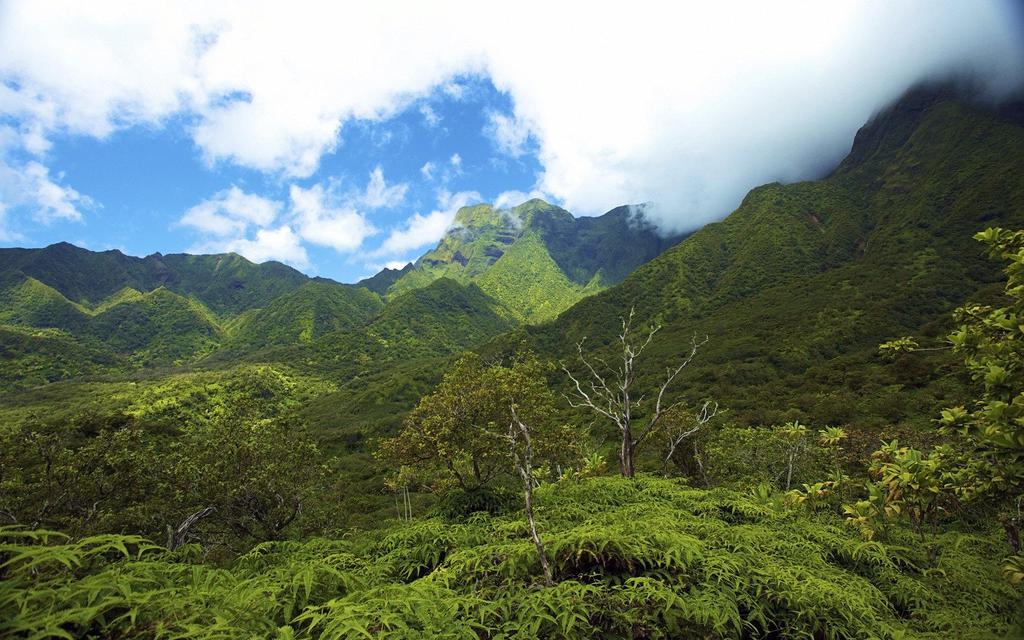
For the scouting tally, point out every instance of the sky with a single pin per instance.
(340, 139)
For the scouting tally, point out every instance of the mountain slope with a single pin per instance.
(165, 310)
(797, 287)
(535, 259)
(312, 310)
(226, 283)
(384, 367)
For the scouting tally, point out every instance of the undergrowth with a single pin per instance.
(649, 558)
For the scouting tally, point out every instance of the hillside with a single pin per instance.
(525, 264)
(535, 259)
(136, 313)
(798, 286)
(308, 312)
(226, 283)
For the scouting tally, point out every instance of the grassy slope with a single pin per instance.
(383, 368)
(799, 285)
(528, 284)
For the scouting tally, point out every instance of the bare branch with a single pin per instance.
(180, 535)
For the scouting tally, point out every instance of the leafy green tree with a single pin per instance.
(459, 430)
(252, 476)
(906, 483)
(991, 342)
(989, 457)
(94, 474)
(450, 428)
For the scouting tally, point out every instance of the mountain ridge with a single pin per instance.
(576, 257)
(800, 284)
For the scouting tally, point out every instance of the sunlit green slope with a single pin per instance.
(797, 287)
(536, 259)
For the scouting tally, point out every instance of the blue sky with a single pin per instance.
(437, 150)
(340, 137)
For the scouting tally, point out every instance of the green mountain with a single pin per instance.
(155, 327)
(525, 264)
(308, 312)
(798, 286)
(536, 259)
(225, 283)
(162, 310)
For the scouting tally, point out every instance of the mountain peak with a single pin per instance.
(486, 215)
(477, 215)
(890, 129)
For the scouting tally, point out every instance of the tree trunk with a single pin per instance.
(541, 552)
(789, 471)
(626, 454)
(700, 465)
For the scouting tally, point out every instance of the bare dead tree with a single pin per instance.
(683, 431)
(522, 455)
(609, 391)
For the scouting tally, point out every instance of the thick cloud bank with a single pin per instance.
(687, 107)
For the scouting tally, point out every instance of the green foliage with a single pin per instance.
(258, 474)
(181, 446)
(907, 483)
(30, 357)
(781, 456)
(991, 342)
(457, 434)
(458, 504)
(643, 558)
(98, 474)
(990, 454)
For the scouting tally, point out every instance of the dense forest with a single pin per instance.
(803, 421)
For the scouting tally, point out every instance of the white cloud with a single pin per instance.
(30, 186)
(423, 230)
(379, 195)
(508, 199)
(509, 133)
(696, 104)
(455, 160)
(231, 212)
(454, 90)
(264, 229)
(280, 244)
(53, 201)
(376, 267)
(430, 117)
(322, 222)
(427, 170)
